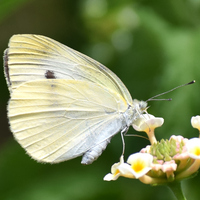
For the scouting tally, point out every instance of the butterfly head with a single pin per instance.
(140, 106)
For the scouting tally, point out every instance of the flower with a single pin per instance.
(195, 121)
(193, 148)
(192, 164)
(140, 164)
(148, 123)
(115, 173)
(163, 162)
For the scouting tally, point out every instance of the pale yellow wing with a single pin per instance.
(57, 120)
(34, 57)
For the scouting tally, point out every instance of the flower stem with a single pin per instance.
(151, 136)
(177, 190)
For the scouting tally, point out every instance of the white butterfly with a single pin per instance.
(63, 104)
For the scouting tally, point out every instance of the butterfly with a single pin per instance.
(63, 104)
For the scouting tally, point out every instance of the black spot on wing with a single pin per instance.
(50, 75)
(6, 67)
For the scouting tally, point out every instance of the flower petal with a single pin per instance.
(193, 148)
(111, 177)
(195, 121)
(115, 173)
(169, 166)
(126, 170)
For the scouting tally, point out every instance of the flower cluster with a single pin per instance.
(161, 162)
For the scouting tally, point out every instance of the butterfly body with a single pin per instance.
(63, 104)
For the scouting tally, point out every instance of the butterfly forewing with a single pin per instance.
(32, 57)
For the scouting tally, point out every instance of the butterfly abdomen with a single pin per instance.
(93, 153)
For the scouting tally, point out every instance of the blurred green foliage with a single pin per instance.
(151, 45)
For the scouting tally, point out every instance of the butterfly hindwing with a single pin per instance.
(57, 120)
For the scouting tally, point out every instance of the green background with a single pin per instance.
(151, 45)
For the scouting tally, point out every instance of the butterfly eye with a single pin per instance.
(143, 105)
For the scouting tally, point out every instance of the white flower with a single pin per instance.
(193, 148)
(146, 122)
(140, 164)
(115, 173)
(195, 121)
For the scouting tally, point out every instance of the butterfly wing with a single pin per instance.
(57, 120)
(34, 57)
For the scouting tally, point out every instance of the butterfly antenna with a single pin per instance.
(153, 98)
